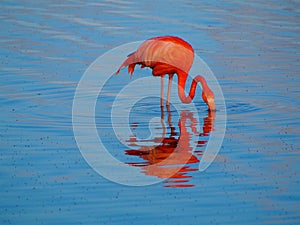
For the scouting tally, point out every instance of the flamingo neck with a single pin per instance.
(182, 77)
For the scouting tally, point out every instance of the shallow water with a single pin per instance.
(253, 50)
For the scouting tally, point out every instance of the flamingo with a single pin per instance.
(169, 55)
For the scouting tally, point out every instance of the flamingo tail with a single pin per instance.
(130, 62)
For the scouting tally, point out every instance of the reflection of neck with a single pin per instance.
(182, 77)
(208, 124)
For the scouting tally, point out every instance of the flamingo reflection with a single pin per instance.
(173, 157)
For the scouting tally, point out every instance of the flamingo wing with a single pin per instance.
(165, 55)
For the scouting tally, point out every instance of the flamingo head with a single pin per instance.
(209, 99)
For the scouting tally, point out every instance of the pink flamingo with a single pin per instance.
(170, 55)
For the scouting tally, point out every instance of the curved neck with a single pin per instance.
(182, 77)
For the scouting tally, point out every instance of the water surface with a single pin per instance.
(253, 50)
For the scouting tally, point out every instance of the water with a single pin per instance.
(253, 50)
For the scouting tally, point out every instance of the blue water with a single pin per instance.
(253, 50)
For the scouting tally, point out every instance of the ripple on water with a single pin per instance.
(235, 107)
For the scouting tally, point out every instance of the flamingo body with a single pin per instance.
(165, 55)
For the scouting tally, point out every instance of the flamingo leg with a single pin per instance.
(169, 115)
(163, 122)
(162, 91)
(169, 89)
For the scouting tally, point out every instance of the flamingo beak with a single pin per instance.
(208, 98)
(211, 104)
